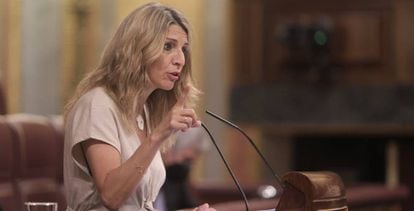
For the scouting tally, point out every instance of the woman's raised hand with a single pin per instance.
(180, 117)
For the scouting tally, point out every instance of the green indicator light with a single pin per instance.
(320, 37)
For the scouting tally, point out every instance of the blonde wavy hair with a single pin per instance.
(122, 70)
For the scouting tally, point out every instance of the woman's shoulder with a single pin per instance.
(96, 97)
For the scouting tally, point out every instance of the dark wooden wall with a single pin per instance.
(329, 63)
(322, 41)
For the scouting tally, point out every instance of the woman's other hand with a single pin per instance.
(204, 207)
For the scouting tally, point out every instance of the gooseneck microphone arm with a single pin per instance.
(251, 142)
(246, 203)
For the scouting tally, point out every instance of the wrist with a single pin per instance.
(154, 139)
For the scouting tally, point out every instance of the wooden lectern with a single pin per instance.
(303, 191)
(312, 191)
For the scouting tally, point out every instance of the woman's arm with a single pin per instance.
(116, 181)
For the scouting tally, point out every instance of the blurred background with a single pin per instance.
(318, 85)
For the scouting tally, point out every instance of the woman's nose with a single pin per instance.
(179, 58)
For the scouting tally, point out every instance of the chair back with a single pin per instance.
(9, 197)
(7, 161)
(3, 103)
(37, 144)
(40, 151)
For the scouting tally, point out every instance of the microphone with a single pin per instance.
(246, 203)
(275, 176)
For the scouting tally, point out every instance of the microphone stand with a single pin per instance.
(246, 203)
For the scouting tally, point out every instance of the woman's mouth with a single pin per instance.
(173, 76)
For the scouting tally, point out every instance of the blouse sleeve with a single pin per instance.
(97, 122)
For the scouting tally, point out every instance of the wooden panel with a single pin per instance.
(248, 47)
(362, 37)
(328, 4)
(358, 47)
(404, 42)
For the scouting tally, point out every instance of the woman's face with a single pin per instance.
(166, 70)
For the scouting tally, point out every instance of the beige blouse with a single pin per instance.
(94, 116)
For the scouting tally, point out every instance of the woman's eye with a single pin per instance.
(168, 46)
(185, 50)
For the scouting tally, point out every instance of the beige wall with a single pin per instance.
(97, 31)
(10, 60)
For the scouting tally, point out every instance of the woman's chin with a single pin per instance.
(167, 87)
